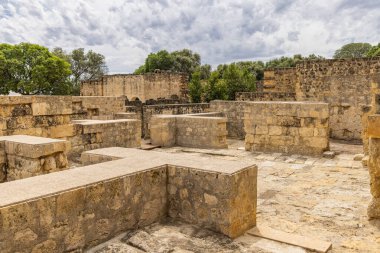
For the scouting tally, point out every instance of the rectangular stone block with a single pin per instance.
(374, 126)
(287, 127)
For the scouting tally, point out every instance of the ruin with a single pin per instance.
(74, 177)
(151, 86)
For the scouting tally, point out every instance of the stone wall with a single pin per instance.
(54, 117)
(234, 112)
(94, 134)
(147, 111)
(51, 116)
(198, 131)
(265, 96)
(287, 127)
(76, 209)
(345, 85)
(23, 156)
(139, 87)
(373, 134)
(279, 80)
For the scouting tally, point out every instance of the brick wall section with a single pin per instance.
(188, 131)
(142, 87)
(265, 96)
(287, 127)
(234, 112)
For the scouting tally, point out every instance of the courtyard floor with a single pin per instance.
(319, 198)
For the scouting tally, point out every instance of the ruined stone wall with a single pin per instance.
(265, 96)
(280, 80)
(73, 210)
(287, 127)
(142, 87)
(234, 112)
(94, 134)
(23, 156)
(84, 216)
(148, 111)
(207, 131)
(373, 135)
(345, 85)
(53, 117)
(233, 196)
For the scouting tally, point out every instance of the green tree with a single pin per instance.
(195, 87)
(352, 50)
(238, 80)
(184, 61)
(84, 66)
(374, 51)
(215, 88)
(31, 69)
(205, 71)
(289, 62)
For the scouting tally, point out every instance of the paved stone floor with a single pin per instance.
(315, 197)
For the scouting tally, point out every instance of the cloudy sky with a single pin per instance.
(125, 31)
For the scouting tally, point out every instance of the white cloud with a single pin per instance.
(221, 31)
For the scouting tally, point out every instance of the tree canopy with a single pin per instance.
(31, 69)
(353, 50)
(84, 66)
(287, 62)
(185, 61)
(374, 51)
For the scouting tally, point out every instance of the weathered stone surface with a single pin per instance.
(23, 156)
(329, 154)
(234, 112)
(139, 87)
(287, 127)
(82, 207)
(191, 130)
(374, 171)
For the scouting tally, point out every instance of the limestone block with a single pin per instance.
(33, 147)
(374, 126)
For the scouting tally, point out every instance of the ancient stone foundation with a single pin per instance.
(234, 112)
(23, 156)
(72, 119)
(94, 134)
(79, 208)
(343, 83)
(191, 130)
(287, 127)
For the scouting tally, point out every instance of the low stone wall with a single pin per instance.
(79, 208)
(148, 111)
(287, 127)
(55, 117)
(193, 130)
(265, 96)
(23, 156)
(94, 134)
(234, 112)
